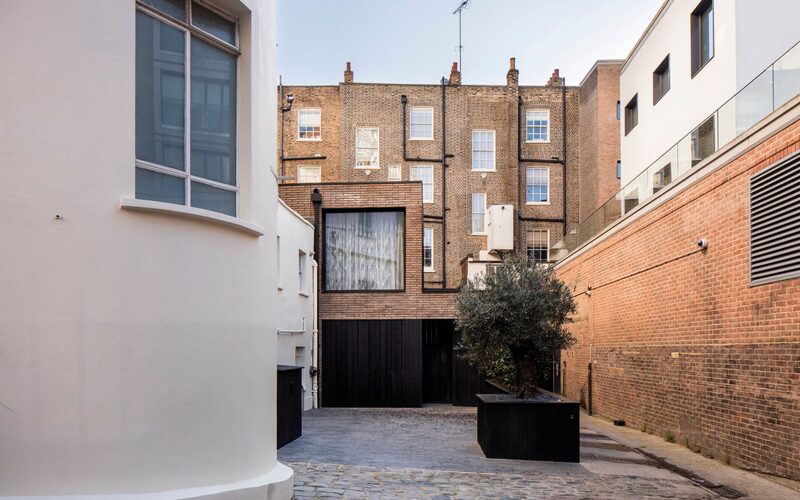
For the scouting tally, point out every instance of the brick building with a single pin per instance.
(503, 144)
(468, 147)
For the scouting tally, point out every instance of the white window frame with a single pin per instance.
(527, 114)
(427, 230)
(368, 167)
(473, 212)
(494, 151)
(307, 168)
(413, 175)
(394, 173)
(307, 139)
(527, 171)
(548, 242)
(411, 124)
(190, 29)
(302, 280)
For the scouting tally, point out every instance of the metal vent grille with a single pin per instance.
(775, 222)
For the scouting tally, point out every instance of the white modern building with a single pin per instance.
(139, 301)
(693, 57)
(297, 298)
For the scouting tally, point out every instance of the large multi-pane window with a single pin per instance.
(421, 123)
(537, 185)
(478, 213)
(538, 243)
(702, 35)
(483, 150)
(309, 174)
(367, 147)
(427, 249)
(537, 125)
(424, 174)
(186, 105)
(364, 250)
(309, 125)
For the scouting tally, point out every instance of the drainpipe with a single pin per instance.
(280, 106)
(316, 200)
(443, 161)
(564, 145)
(314, 331)
(444, 188)
(562, 161)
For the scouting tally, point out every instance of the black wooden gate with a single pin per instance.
(437, 360)
(371, 363)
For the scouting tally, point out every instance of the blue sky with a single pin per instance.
(414, 41)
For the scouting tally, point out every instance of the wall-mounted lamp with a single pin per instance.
(589, 291)
(702, 243)
(288, 107)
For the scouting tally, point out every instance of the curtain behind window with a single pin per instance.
(364, 250)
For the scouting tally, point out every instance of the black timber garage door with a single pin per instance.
(371, 363)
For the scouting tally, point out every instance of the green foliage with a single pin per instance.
(512, 321)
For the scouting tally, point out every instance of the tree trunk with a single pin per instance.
(526, 377)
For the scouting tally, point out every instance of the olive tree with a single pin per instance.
(512, 321)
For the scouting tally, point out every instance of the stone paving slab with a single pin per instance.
(432, 453)
(352, 481)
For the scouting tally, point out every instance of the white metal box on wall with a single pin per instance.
(500, 228)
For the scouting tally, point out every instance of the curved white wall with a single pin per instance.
(137, 350)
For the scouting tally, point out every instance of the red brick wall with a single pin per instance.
(688, 348)
(412, 303)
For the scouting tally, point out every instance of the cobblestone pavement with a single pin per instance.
(432, 453)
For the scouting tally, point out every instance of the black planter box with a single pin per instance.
(529, 429)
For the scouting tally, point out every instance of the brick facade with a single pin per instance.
(599, 137)
(468, 107)
(680, 344)
(412, 302)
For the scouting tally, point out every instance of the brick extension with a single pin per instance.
(689, 349)
(412, 303)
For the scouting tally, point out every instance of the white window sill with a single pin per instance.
(192, 213)
(428, 202)
(540, 203)
(420, 138)
(309, 140)
(484, 170)
(537, 142)
(479, 234)
(362, 167)
(429, 270)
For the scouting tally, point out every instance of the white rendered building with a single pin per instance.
(693, 57)
(139, 292)
(297, 296)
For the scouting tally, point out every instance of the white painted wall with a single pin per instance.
(749, 36)
(137, 350)
(765, 29)
(296, 320)
(689, 100)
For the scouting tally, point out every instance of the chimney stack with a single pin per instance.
(455, 75)
(512, 77)
(348, 74)
(555, 80)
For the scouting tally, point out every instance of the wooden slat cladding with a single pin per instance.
(372, 363)
(775, 222)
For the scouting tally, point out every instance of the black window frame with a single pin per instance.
(632, 114)
(324, 245)
(661, 79)
(696, 31)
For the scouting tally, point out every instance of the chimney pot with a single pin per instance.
(512, 77)
(455, 75)
(512, 63)
(348, 73)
